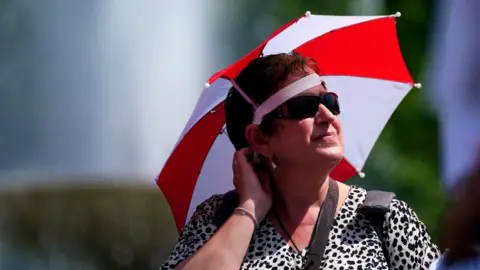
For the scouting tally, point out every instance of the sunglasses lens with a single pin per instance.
(307, 106)
(330, 100)
(302, 107)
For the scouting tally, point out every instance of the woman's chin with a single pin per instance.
(330, 153)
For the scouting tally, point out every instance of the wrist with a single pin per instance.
(247, 213)
(252, 207)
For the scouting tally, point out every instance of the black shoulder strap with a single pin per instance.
(323, 227)
(230, 200)
(374, 208)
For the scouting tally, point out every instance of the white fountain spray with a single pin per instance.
(117, 81)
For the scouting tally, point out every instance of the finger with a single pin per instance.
(241, 157)
(235, 163)
(243, 153)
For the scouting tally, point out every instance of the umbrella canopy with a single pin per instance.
(360, 60)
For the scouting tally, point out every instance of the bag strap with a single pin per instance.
(322, 227)
(374, 208)
(230, 200)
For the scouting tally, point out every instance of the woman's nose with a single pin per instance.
(324, 115)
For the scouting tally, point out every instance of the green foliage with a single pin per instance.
(102, 227)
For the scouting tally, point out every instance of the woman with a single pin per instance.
(299, 142)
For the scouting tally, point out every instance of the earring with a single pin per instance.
(274, 166)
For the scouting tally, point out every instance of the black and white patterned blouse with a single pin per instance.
(352, 243)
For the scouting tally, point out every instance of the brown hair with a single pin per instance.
(260, 79)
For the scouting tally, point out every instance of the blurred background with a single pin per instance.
(94, 94)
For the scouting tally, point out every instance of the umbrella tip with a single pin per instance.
(361, 174)
(308, 13)
(207, 85)
(398, 14)
(418, 85)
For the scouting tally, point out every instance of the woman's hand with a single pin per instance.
(253, 187)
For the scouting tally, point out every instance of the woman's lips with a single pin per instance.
(326, 136)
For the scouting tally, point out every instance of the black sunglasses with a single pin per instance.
(302, 107)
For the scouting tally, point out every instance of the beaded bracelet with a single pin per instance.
(245, 212)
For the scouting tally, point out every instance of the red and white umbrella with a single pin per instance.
(360, 60)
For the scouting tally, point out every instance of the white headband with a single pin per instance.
(281, 96)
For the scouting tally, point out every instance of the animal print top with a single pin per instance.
(352, 244)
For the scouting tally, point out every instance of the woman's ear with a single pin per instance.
(257, 140)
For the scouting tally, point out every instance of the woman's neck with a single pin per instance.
(298, 194)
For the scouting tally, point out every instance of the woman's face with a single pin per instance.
(314, 140)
